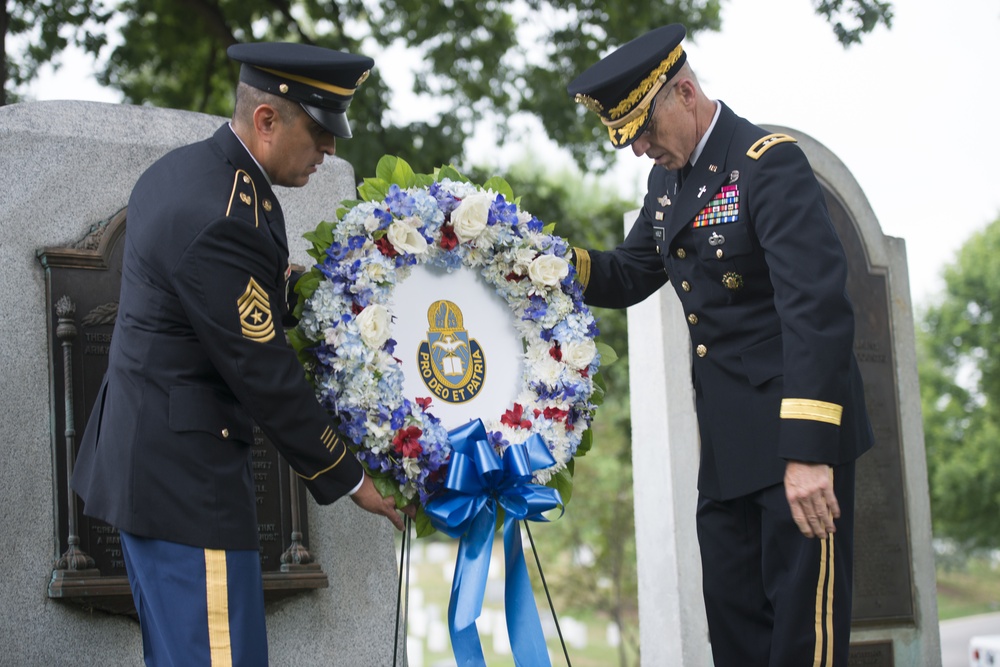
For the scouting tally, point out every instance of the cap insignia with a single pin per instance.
(364, 77)
(657, 76)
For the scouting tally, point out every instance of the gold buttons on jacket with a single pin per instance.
(225, 433)
(681, 253)
(267, 205)
(246, 179)
(701, 350)
(686, 286)
(692, 318)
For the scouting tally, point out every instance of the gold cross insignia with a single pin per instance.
(255, 313)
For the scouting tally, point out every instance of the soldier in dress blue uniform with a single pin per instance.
(736, 221)
(199, 354)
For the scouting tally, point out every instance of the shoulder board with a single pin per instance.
(243, 197)
(761, 145)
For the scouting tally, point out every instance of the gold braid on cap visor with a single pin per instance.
(624, 127)
(315, 83)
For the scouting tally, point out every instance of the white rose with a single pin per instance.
(373, 323)
(548, 270)
(579, 355)
(405, 238)
(547, 369)
(469, 219)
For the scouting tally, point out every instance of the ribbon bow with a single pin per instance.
(478, 480)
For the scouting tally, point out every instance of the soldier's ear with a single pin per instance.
(265, 118)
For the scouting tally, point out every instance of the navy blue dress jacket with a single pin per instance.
(197, 355)
(748, 245)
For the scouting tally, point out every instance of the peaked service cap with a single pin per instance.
(322, 81)
(621, 86)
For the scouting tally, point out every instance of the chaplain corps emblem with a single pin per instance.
(452, 365)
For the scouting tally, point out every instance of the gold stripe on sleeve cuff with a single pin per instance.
(804, 408)
(312, 477)
(582, 264)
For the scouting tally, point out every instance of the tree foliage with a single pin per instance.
(959, 345)
(472, 60)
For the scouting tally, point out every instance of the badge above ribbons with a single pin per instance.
(452, 365)
(457, 343)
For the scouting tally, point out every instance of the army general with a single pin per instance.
(736, 221)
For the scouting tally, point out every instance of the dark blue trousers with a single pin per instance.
(773, 597)
(197, 607)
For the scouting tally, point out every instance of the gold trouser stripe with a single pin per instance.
(217, 591)
(823, 655)
(804, 408)
(582, 267)
(336, 463)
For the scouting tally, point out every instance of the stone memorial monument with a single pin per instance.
(895, 609)
(66, 171)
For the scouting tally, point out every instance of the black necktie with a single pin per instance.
(683, 174)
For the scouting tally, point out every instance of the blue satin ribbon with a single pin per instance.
(478, 480)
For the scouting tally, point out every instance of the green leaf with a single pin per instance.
(562, 482)
(549, 229)
(385, 168)
(402, 174)
(423, 180)
(608, 354)
(423, 523)
(501, 186)
(374, 189)
(386, 486)
(321, 237)
(450, 172)
(586, 442)
(306, 286)
(600, 390)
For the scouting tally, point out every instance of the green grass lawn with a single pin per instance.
(971, 589)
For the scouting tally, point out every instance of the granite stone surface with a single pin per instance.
(65, 166)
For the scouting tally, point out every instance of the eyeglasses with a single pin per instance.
(651, 125)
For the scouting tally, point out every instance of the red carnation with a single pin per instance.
(555, 352)
(448, 238)
(407, 441)
(556, 413)
(515, 418)
(385, 247)
(423, 401)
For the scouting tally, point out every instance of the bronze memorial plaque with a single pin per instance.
(82, 285)
(883, 589)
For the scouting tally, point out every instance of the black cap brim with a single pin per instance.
(334, 122)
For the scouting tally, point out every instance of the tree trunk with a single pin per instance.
(3, 52)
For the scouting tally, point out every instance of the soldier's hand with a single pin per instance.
(809, 489)
(368, 498)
